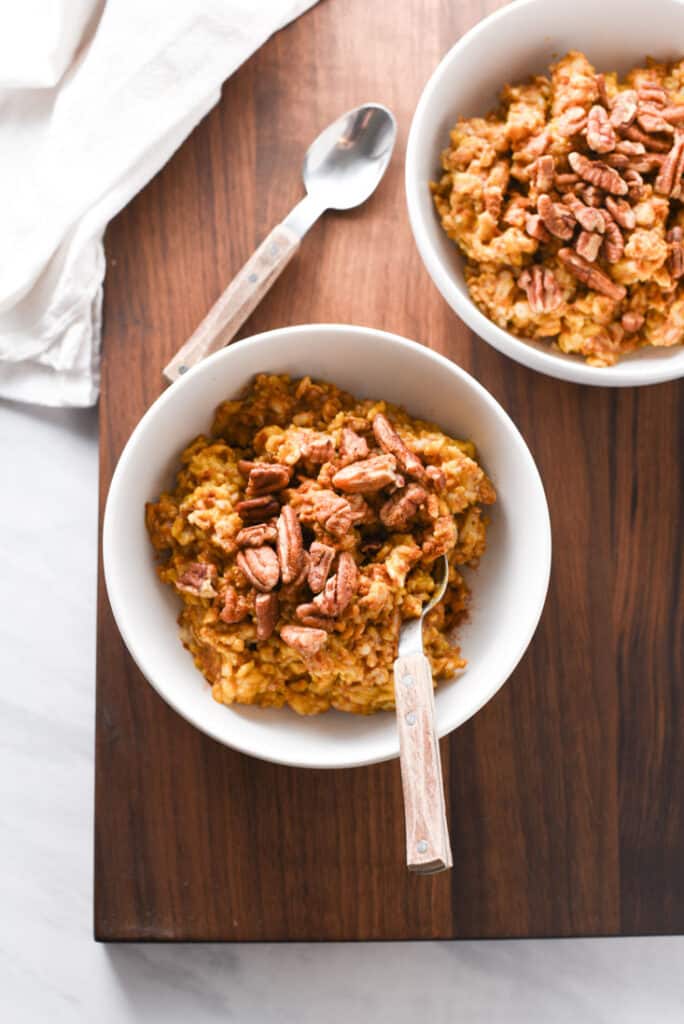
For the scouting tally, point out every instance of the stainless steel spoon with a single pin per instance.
(341, 170)
(427, 836)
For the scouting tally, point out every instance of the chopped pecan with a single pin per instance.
(676, 258)
(598, 173)
(367, 476)
(198, 579)
(320, 559)
(591, 195)
(674, 114)
(591, 276)
(534, 226)
(588, 245)
(303, 639)
(255, 510)
(266, 608)
(651, 120)
(340, 588)
(235, 606)
(623, 109)
(629, 148)
(541, 287)
(436, 476)
(614, 242)
(620, 161)
(260, 566)
(256, 536)
(565, 181)
(400, 509)
(309, 615)
(600, 132)
(635, 183)
(267, 477)
(290, 544)
(652, 92)
(621, 212)
(632, 322)
(389, 440)
(669, 178)
(557, 219)
(352, 446)
(588, 217)
(544, 168)
(651, 144)
(333, 512)
(318, 449)
(572, 121)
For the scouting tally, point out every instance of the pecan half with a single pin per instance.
(367, 476)
(320, 559)
(566, 180)
(543, 171)
(339, 589)
(235, 606)
(541, 287)
(598, 173)
(303, 639)
(614, 242)
(246, 466)
(651, 144)
(333, 512)
(572, 121)
(198, 579)
(400, 509)
(591, 195)
(621, 212)
(652, 92)
(260, 566)
(674, 114)
(309, 615)
(389, 440)
(557, 219)
(676, 258)
(290, 544)
(534, 226)
(651, 120)
(588, 245)
(629, 148)
(635, 183)
(266, 608)
(623, 109)
(632, 322)
(267, 477)
(600, 132)
(256, 536)
(588, 217)
(318, 449)
(352, 446)
(255, 510)
(590, 275)
(669, 179)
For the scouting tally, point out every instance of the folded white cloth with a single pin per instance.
(94, 99)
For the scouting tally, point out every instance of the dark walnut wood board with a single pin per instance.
(566, 792)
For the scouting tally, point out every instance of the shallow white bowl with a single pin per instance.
(509, 588)
(515, 42)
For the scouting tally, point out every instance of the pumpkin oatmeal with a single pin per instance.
(567, 205)
(301, 533)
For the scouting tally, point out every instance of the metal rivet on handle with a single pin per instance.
(253, 278)
(182, 369)
(411, 718)
(407, 680)
(421, 846)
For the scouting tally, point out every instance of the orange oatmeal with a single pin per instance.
(567, 204)
(300, 535)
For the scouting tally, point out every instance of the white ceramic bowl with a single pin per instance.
(515, 42)
(508, 589)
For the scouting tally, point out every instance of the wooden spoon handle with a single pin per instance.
(240, 298)
(427, 836)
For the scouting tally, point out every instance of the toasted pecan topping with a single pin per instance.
(290, 544)
(591, 276)
(588, 245)
(623, 109)
(254, 510)
(235, 606)
(534, 226)
(598, 173)
(669, 180)
(621, 212)
(257, 535)
(613, 242)
(266, 608)
(321, 558)
(541, 287)
(260, 566)
(632, 322)
(333, 512)
(318, 449)
(600, 132)
(198, 579)
(400, 509)
(339, 589)
(390, 441)
(675, 261)
(572, 121)
(352, 446)
(544, 170)
(309, 615)
(267, 477)
(556, 217)
(303, 639)
(588, 217)
(367, 476)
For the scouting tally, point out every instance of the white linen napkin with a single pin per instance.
(94, 99)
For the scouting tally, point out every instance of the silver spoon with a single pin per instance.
(341, 170)
(427, 837)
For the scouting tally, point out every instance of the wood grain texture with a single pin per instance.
(566, 792)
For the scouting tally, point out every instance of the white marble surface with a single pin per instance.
(50, 968)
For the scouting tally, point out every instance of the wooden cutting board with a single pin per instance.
(566, 792)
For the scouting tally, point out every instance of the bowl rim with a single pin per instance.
(205, 368)
(560, 365)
